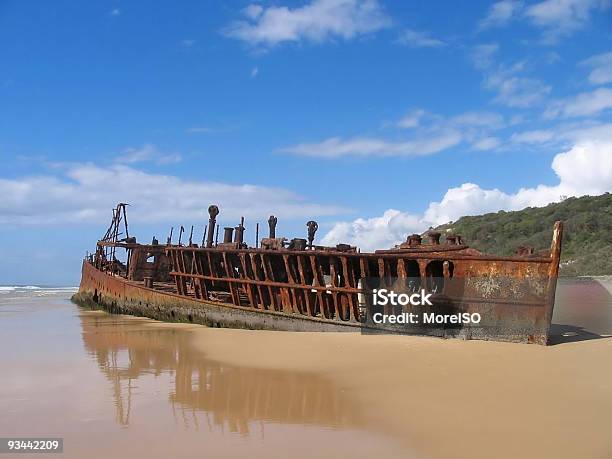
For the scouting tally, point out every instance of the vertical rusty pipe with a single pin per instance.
(228, 232)
(272, 221)
(312, 229)
(239, 234)
(213, 211)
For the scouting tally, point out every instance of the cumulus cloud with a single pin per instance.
(374, 233)
(86, 193)
(416, 39)
(317, 21)
(501, 13)
(584, 169)
(601, 68)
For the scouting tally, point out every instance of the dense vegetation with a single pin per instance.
(587, 238)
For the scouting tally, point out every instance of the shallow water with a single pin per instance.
(117, 386)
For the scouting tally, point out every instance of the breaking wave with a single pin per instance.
(34, 290)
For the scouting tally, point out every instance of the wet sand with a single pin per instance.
(452, 399)
(121, 386)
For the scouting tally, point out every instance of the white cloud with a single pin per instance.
(512, 87)
(411, 120)
(147, 153)
(584, 104)
(430, 133)
(253, 11)
(254, 72)
(561, 18)
(115, 12)
(486, 143)
(85, 193)
(483, 55)
(418, 39)
(374, 233)
(535, 136)
(585, 168)
(501, 13)
(601, 66)
(479, 119)
(316, 21)
(200, 130)
(514, 90)
(336, 147)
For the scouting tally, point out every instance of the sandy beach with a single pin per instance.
(124, 386)
(446, 398)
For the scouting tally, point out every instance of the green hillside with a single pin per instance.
(587, 238)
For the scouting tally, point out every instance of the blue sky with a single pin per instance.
(377, 118)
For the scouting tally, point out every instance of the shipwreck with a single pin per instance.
(297, 285)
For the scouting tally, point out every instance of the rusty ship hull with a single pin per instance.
(298, 286)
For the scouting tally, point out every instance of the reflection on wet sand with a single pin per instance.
(229, 397)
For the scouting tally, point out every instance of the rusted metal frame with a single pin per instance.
(115, 237)
(553, 272)
(201, 282)
(246, 286)
(173, 274)
(210, 269)
(349, 279)
(384, 271)
(206, 264)
(292, 292)
(407, 254)
(260, 296)
(269, 278)
(195, 283)
(381, 267)
(257, 276)
(310, 306)
(177, 274)
(189, 285)
(401, 268)
(364, 269)
(334, 281)
(233, 292)
(287, 300)
(320, 287)
(184, 270)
